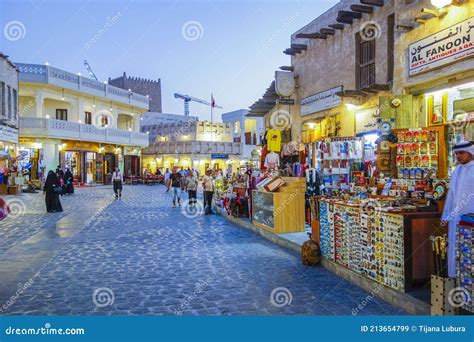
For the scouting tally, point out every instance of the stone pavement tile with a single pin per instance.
(153, 259)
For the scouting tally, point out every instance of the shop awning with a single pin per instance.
(266, 103)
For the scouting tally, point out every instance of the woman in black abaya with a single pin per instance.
(68, 185)
(52, 189)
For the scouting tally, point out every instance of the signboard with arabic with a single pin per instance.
(445, 47)
(366, 120)
(321, 101)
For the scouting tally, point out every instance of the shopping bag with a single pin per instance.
(4, 209)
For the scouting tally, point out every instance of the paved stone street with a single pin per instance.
(139, 256)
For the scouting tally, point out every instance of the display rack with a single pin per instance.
(281, 211)
(383, 246)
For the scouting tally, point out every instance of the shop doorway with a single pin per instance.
(73, 161)
(132, 165)
(109, 166)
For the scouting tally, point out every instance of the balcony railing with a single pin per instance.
(194, 147)
(36, 73)
(50, 128)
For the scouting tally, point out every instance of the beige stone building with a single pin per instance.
(194, 144)
(353, 59)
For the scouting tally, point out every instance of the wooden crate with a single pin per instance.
(3, 189)
(14, 190)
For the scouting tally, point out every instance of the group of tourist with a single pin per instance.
(188, 180)
(60, 183)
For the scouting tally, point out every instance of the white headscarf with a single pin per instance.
(465, 146)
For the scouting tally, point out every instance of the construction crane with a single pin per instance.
(89, 70)
(187, 99)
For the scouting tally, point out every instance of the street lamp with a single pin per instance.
(441, 3)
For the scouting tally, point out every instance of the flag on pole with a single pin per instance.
(213, 102)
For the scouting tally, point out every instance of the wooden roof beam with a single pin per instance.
(349, 14)
(287, 68)
(362, 9)
(299, 46)
(328, 31)
(378, 3)
(342, 20)
(316, 35)
(337, 26)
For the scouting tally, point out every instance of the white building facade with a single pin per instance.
(151, 121)
(77, 122)
(247, 131)
(195, 144)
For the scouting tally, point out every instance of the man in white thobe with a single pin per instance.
(460, 198)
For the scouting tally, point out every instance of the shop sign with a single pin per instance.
(131, 151)
(8, 134)
(321, 101)
(445, 47)
(366, 120)
(286, 101)
(81, 146)
(284, 83)
(219, 156)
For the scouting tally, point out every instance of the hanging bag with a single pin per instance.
(4, 209)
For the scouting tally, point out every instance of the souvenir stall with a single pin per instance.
(11, 180)
(375, 220)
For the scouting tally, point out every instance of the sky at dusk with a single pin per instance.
(230, 48)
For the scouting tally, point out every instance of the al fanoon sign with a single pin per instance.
(445, 47)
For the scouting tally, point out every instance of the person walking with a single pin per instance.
(208, 187)
(192, 185)
(117, 180)
(167, 179)
(175, 179)
(52, 189)
(60, 175)
(460, 199)
(68, 182)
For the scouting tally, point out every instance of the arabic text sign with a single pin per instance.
(448, 46)
(321, 101)
(366, 121)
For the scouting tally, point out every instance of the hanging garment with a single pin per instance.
(272, 160)
(274, 140)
